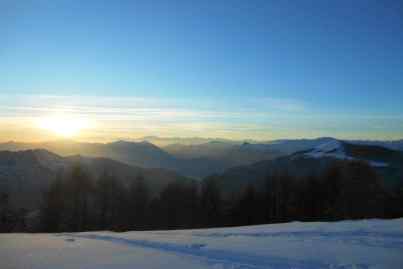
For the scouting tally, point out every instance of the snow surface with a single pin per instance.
(373, 244)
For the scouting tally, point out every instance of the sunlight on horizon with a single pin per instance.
(64, 126)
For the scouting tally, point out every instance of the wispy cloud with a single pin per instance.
(131, 107)
(130, 117)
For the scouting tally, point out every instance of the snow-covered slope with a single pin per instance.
(336, 149)
(375, 244)
(333, 149)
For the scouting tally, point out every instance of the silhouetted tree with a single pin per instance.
(399, 200)
(79, 188)
(107, 195)
(211, 204)
(362, 194)
(249, 209)
(139, 199)
(178, 205)
(5, 213)
(53, 206)
(278, 197)
(344, 190)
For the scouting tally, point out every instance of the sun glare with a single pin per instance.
(63, 126)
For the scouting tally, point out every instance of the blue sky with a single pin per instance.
(236, 69)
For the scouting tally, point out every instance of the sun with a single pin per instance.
(63, 126)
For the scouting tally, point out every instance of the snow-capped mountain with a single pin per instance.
(337, 149)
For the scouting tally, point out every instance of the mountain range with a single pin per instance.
(196, 161)
(285, 144)
(195, 158)
(143, 154)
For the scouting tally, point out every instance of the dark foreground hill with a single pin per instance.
(25, 175)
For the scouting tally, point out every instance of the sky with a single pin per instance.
(231, 69)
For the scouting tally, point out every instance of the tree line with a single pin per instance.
(346, 190)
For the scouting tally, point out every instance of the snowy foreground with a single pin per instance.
(346, 244)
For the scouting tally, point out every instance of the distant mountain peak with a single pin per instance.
(120, 142)
(129, 143)
(145, 142)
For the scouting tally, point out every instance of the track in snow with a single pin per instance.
(355, 237)
(221, 258)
